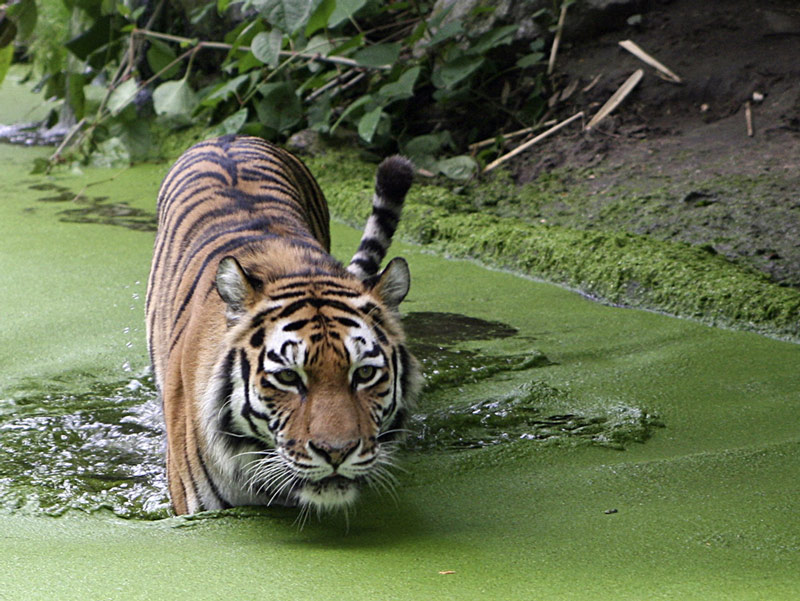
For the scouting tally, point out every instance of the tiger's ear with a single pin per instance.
(236, 287)
(392, 284)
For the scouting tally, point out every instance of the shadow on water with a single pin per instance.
(530, 411)
(96, 209)
(103, 449)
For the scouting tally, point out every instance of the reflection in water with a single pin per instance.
(104, 449)
(533, 411)
(96, 209)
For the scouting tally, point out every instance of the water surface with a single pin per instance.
(562, 449)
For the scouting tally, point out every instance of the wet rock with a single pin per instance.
(306, 141)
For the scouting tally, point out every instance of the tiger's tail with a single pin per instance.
(391, 185)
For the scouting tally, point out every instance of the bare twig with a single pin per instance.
(592, 83)
(337, 60)
(616, 98)
(557, 39)
(634, 49)
(508, 136)
(67, 139)
(354, 81)
(336, 81)
(531, 142)
(748, 117)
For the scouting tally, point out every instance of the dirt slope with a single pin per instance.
(676, 161)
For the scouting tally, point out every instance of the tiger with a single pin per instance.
(284, 377)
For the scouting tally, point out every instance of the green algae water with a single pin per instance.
(561, 450)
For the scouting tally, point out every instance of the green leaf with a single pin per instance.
(449, 30)
(279, 107)
(24, 15)
(225, 90)
(266, 47)
(320, 17)
(354, 42)
(530, 60)
(122, 96)
(369, 123)
(98, 35)
(319, 44)
(159, 55)
(352, 107)
(378, 55)
(402, 88)
(493, 38)
(135, 134)
(40, 166)
(199, 14)
(111, 153)
(6, 54)
(319, 114)
(287, 15)
(438, 17)
(233, 124)
(75, 83)
(451, 73)
(459, 168)
(8, 31)
(427, 145)
(175, 100)
(417, 34)
(93, 95)
(344, 11)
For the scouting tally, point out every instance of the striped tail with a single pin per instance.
(391, 185)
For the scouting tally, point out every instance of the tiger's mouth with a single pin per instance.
(331, 492)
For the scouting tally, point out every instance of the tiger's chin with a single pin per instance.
(328, 494)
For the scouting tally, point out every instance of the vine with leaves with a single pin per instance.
(400, 75)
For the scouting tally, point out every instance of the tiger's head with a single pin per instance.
(314, 385)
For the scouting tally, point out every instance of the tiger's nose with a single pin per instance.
(334, 453)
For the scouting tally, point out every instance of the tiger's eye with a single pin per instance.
(288, 377)
(364, 373)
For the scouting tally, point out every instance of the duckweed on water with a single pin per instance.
(104, 449)
(619, 268)
(534, 412)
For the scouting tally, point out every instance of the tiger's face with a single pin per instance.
(316, 390)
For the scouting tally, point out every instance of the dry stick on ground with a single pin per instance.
(748, 117)
(635, 50)
(531, 142)
(592, 83)
(616, 98)
(514, 134)
(557, 40)
(489, 141)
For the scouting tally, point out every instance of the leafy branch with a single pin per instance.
(396, 74)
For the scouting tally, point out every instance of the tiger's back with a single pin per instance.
(223, 197)
(257, 335)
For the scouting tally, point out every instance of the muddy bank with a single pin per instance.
(675, 162)
(616, 267)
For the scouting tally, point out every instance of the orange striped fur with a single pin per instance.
(283, 374)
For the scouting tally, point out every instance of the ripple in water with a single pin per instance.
(105, 449)
(101, 450)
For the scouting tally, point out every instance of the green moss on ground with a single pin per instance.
(615, 267)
